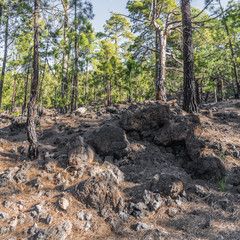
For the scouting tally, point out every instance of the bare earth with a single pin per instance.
(30, 191)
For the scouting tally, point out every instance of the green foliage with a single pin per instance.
(222, 182)
(118, 55)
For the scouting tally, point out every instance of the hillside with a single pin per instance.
(140, 171)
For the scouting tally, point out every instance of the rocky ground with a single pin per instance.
(144, 171)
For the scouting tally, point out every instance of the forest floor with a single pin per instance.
(128, 176)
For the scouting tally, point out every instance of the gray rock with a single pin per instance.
(140, 226)
(236, 154)
(201, 191)
(21, 218)
(9, 204)
(79, 153)
(84, 216)
(155, 203)
(3, 180)
(5, 230)
(172, 212)
(81, 111)
(115, 224)
(110, 141)
(123, 216)
(109, 172)
(49, 219)
(21, 176)
(168, 185)
(63, 203)
(57, 232)
(3, 215)
(99, 194)
(137, 210)
(88, 226)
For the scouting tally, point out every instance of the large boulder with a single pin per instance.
(146, 117)
(98, 193)
(172, 133)
(108, 171)
(207, 167)
(19, 123)
(110, 141)
(79, 153)
(195, 147)
(167, 185)
(177, 131)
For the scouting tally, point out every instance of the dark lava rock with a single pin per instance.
(21, 176)
(207, 168)
(146, 117)
(167, 185)
(79, 153)
(110, 141)
(19, 123)
(201, 191)
(194, 147)
(99, 194)
(115, 224)
(140, 226)
(57, 232)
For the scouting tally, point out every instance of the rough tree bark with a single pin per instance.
(31, 128)
(25, 91)
(86, 82)
(109, 92)
(189, 92)
(74, 100)
(5, 51)
(64, 86)
(161, 48)
(13, 106)
(1, 11)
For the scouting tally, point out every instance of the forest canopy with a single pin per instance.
(133, 59)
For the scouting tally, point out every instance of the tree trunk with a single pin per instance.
(86, 82)
(108, 93)
(76, 77)
(219, 89)
(215, 95)
(72, 94)
(197, 92)
(189, 92)
(31, 128)
(25, 92)
(13, 106)
(234, 59)
(1, 11)
(64, 86)
(5, 52)
(74, 102)
(55, 98)
(161, 43)
(130, 87)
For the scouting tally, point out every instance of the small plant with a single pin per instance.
(223, 155)
(222, 182)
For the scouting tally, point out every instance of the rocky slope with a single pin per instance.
(144, 171)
